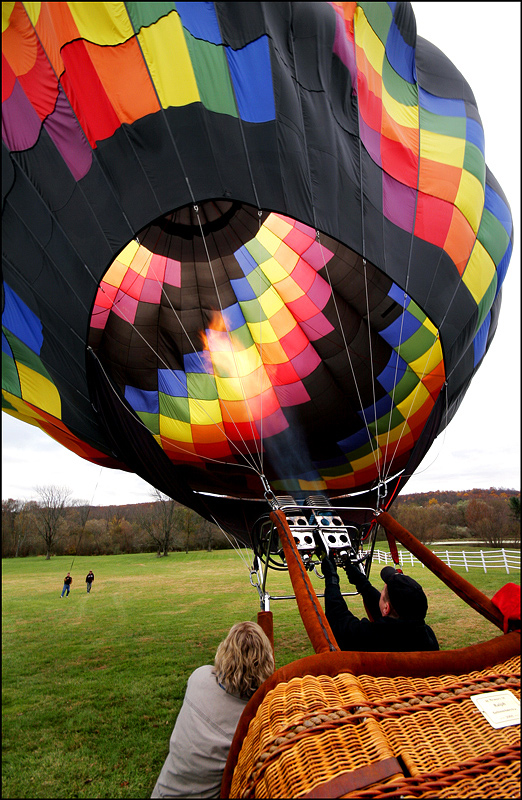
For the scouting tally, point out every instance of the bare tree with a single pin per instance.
(25, 525)
(50, 515)
(18, 527)
(189, 522)
(160, 520)
(79, 513)
(96, 538)
(83, 510)
(208, 533)
(10, 510)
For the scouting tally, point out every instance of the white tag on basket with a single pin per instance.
(499, 708)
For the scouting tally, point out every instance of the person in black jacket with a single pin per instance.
(89, 579)
(66, 585)
(398, 612)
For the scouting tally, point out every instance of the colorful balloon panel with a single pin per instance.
(242, 373)
(272, 224)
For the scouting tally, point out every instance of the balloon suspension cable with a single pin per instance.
(234, 543)
(89, 507)
(270, 497)
(382, 491)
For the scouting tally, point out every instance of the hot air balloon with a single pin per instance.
(245, 246)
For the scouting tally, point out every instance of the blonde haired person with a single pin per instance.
(214, 700)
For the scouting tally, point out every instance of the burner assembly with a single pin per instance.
(318, 528)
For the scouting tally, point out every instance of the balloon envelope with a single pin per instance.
(243, 240)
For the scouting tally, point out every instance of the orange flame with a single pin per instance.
(243, 366)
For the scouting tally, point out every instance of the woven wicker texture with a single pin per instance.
(313, 730)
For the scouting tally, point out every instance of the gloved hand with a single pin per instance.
(354, 574)
(329, 571)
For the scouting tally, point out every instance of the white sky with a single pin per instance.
(481, 446)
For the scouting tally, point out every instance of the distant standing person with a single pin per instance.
(66, 585)
(89, 579)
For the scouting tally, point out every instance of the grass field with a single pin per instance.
(92, 683)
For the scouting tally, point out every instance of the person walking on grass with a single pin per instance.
(66, 585)
(89, 579)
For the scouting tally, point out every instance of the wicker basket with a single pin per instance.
(365, 736)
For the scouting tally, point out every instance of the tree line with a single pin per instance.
(491, 516)
(57, 524)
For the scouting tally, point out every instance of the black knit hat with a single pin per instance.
(406, 595)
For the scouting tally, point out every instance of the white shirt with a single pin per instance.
(200, 740)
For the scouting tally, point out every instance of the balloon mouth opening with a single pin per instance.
(210, 228)
(235, 335)
(195, 220)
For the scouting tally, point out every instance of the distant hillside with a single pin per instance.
(131, 510)
(452, 498)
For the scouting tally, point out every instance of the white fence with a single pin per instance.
(483, 559)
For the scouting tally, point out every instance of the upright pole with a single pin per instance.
(265, 621)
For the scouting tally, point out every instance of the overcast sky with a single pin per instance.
(481, 446)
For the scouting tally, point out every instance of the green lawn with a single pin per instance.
(92, 683)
